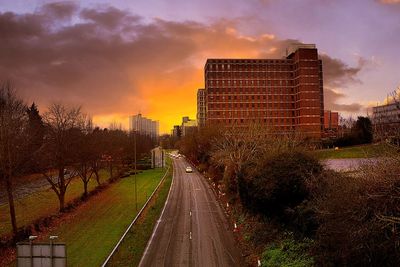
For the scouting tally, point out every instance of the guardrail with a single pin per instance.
(135, 219)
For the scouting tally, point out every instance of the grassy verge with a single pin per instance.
(131, 249)
(42, 203)
(364, 151)
(92, 230)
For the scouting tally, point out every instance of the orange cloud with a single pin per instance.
(115, 65)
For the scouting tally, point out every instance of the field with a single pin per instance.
(131, 249)
(92, 230)
(41, 204)
(364, 151)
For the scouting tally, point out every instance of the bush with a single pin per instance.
(289, 252)
(359, 217)
(278, 184)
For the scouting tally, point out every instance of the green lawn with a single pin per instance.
(132, 247)
(42, 204)
(96, 226)
(363, 151)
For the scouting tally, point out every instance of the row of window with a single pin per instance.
(250, 82)
(223, 97)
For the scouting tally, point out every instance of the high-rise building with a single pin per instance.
(284, 95)
(201, 107)
(144, 126)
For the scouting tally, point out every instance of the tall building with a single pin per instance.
(285, 95)
(144, 126)
(201, 107)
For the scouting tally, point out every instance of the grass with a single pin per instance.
(131, 249)
(94, 228)
(42, 204)
(362, 151)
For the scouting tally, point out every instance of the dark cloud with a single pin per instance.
(337, 73)
(109, 17)
(59, 10)
(338, 76)
(111, 61)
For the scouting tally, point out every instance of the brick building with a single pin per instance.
(285, 95)
(331, 124)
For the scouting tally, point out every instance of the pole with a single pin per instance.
(134, 138)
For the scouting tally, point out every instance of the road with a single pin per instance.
(193, 229)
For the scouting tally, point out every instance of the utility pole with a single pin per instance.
(134, 138)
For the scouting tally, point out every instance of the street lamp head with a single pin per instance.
(52, 237)
(32, 237)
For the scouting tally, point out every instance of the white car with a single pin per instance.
(189, 169)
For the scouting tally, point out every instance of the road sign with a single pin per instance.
(51, 254)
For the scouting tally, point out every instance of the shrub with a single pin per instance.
(289, 252)
(278, 184)
(359, 217)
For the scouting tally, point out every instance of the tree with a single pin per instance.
(363, 130)
(85, 155)
(97, 146)
(64, 126)
(13, 142)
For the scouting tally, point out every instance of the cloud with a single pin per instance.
(338, 76)
(389, 2)
(115, 64)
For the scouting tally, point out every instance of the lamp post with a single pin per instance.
(52, 238)
(31, 238)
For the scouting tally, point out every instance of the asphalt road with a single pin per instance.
(192, 230)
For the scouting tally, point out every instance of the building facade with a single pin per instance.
(201, 107)
(331, 124)
(144, 126)
(284, 95)
(386, 121)
(188, 127)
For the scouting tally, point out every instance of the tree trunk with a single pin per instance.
(11, 205)
(61, 199)
(111, 171)
(63, 189)
(96, 173)
(85, 188)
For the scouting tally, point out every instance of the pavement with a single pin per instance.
(193, 229)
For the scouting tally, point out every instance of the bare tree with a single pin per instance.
(64, 125)
(13, 119)
(85, 155)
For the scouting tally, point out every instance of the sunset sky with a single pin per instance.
(118, 58)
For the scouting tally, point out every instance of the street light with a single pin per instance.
(31, 238)
(52, 238)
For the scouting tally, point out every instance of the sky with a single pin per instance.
(118, 58)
